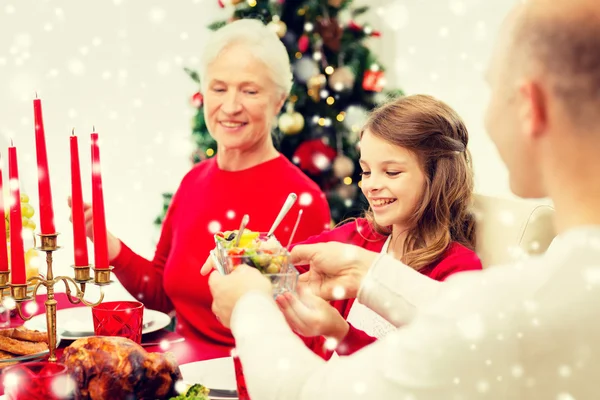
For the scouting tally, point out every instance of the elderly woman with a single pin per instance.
(246, 77)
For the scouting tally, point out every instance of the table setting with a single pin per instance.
(70, 334)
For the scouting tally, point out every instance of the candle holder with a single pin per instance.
(20, 293)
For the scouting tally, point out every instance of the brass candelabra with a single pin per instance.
(20, 293)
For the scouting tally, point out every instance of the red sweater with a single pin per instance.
(456, 259)
(210, 199)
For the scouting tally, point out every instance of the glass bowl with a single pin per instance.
(257, 251)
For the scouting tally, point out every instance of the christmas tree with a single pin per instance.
(337, 80)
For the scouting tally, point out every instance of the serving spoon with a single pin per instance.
(289, 202)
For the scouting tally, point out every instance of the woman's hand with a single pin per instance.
(114, 244)
(310, 315)
(228, 289)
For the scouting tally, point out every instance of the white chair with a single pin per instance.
(511, 229)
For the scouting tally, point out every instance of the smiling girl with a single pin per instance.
(418, 181)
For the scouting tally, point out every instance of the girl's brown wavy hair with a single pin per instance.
(437, 135)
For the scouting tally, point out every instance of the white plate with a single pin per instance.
(215, 374)
(75, 323)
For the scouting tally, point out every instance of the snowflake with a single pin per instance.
(31, 307)
(530, 306)
(113, 115)
(564, 396)
(157, 15)
(283, 364)
(48, 27)
(137, 103)
(592, 275)
(564, 371)
(214, 227)
(59, 13)
(304, 69)
(63, 386)
(72, 113)
(305, 199)
(394, 15)
(184, 36)
(163, 67)
(444, 31)
(84, 50)
(471, 326)
(483, 386)
(480, 31)
(181, 387)
(360, 388)
(164, 345)
(456, 381)
(488, 362)
(76, 66)
(506, 218)
(458, 7)
(331, 343)
(96, 168)
(2, 61)
(339, 292)
(96, 41)
(9, 9)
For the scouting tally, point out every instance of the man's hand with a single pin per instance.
(336, 269)
(228, 289)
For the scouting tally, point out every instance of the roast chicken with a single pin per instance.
(118, 368)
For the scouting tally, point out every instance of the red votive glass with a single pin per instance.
(38, 381)
(119, 318)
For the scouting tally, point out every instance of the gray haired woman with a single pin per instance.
(246, 78)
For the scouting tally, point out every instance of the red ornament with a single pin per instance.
(373, 81)
(353, 26)
(303, 43)
(314, 156)
(197, 100)
(221, 3)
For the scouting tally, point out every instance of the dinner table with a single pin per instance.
(161, 341)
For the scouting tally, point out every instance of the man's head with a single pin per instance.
(545, 90)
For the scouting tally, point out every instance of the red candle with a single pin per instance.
(100, 240)
(17, 252)
(46, 210)
(79, 240)
(3, 248)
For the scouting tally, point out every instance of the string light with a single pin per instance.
(329, 70)
(330, 100)
(252, 3)
(321, 121)
(348, 180)
(340, 117)
(298, 55)
(360, 184)
(210, 152)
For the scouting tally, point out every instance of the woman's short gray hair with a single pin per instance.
(262, 41)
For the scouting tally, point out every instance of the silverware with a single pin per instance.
(223, 393)
(216, 260)
(294, 230)
(289, 202)
(245, 221)
(146, 325)
(163, 342)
